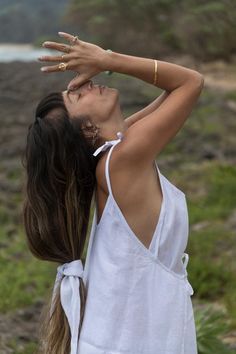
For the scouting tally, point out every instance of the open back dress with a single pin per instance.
(138, 298)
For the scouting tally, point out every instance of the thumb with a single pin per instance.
(76, 82)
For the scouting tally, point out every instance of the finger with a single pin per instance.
(58, 46)
(68, 36)
(77, 81)
(54, 68)
(64, 57)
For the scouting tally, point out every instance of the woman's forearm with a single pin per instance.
(146, 110)
(169, 76)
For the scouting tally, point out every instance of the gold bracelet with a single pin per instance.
(155, 77)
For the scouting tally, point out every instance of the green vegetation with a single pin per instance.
(209, 269)
(231, 95)
(23, 278)
(219, 193)
(210, 325)
(28, 348)
(160, 27)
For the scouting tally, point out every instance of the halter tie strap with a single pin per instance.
(108, 143)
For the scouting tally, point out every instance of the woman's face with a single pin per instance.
(97, 101)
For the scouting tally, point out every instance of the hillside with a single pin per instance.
(26, 20)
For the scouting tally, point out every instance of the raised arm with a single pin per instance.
(147, 137)
(146, 110)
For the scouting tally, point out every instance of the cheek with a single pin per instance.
(98, 107)
(95, 104)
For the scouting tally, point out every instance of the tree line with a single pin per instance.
(203, 29)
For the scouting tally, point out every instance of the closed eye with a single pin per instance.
(68, 95)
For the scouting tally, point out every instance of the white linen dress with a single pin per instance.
(138, 298)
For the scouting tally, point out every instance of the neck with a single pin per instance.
(114, 124)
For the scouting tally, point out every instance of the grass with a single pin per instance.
(27, 348)
(209, 269)
(231, 95)
(210, 326)
(23, 278)
(212, 191)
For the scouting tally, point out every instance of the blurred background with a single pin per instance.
(200, 159)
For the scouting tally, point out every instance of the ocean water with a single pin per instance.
(22, 52)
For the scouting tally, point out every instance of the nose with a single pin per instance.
(88, 84)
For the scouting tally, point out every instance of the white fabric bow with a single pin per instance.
(108, 143)
(70, 297)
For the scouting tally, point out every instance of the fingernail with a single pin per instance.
(43, 68)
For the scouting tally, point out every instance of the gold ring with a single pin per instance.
(62, 66)
(74, 40)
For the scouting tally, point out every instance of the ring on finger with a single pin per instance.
(74, 40)
(62, 66)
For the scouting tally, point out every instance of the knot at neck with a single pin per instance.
(108, 143)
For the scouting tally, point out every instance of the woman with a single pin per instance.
(132, 296)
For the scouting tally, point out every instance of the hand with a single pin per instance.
(82, 57)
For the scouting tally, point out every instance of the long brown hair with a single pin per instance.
(60, 180)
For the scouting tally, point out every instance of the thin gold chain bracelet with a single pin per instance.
(155, 76)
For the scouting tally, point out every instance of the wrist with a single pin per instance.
(109, 72)
(113, 61)
(109, 60)
(105, 60)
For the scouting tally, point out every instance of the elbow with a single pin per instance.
(197, 79)
(200, 81)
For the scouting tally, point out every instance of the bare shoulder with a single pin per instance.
(123, 174)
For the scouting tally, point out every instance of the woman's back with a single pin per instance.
(139, 196)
